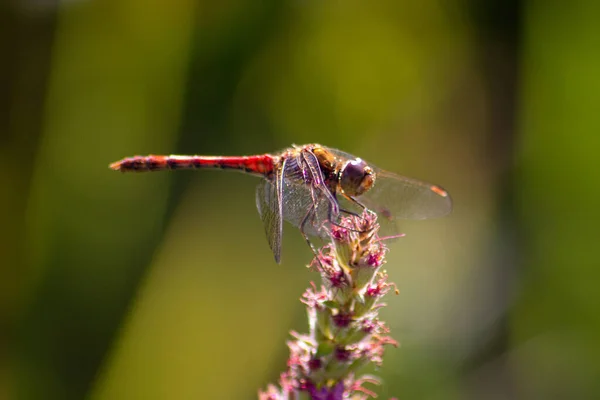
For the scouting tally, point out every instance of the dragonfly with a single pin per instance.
(312, 185)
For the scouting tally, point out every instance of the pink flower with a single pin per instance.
(345, 333)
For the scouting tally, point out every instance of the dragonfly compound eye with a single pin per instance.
(356, 177)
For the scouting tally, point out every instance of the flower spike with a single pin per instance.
(345, 333)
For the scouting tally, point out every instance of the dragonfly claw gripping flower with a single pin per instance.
(345, 333)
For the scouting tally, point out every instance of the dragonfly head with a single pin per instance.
(356, 177)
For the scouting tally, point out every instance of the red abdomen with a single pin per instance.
(259, 165)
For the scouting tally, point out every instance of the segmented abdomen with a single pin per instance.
(259, 165)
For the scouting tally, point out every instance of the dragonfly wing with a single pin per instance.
(307, 201)
(294, 197)
(269, 205)
(397, 197)
(299, 201)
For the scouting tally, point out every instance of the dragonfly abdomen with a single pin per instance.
(258, 165)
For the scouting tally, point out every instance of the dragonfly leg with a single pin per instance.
(352, 213)
(344, 227)
(353, 200)
(310, 215)
(334, 223)
(340, 210)
(358, 203)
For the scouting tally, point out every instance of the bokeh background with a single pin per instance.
(161, 286)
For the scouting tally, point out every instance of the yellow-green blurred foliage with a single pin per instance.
(161, 286)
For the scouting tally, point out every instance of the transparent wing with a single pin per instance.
(397, 197)
(269, 205)
(306, 196)
(298, 196)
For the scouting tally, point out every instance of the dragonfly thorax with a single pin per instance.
(356, 177)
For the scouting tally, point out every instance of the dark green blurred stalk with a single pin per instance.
(556, 324)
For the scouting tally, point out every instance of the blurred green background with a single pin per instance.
(161, 286)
